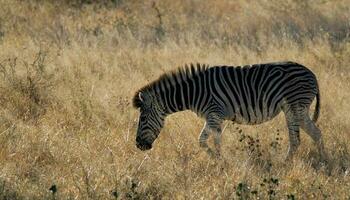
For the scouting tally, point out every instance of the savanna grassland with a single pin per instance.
(68, 71)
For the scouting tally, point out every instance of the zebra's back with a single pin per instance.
(257, 93)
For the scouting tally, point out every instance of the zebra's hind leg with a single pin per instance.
(311, 129)
(293, 124)
(294, 139)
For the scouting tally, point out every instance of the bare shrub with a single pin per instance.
(26, 86)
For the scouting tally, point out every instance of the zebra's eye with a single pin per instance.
(143, 118)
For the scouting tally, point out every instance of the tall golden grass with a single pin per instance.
(68, 70)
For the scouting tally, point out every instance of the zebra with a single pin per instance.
(251, 94)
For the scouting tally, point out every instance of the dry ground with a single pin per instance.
(68, 70)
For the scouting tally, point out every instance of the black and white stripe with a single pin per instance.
(246, 95)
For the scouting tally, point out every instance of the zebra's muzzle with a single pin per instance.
(143, 145)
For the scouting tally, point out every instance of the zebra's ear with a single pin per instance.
(140, 97)
(137, 101)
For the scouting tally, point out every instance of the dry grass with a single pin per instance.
(68, 70)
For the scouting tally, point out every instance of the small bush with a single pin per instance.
(25, 87)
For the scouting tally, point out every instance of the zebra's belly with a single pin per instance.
(251, 116)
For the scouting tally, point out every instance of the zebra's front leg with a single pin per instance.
(214, 123)
(211, 127)
(203, 138)
(217, 141)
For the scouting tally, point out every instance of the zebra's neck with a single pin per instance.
(183, 93)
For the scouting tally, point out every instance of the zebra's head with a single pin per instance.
(151, 119)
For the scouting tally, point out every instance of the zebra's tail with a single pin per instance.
(317, 107)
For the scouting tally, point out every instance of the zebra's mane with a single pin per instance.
(173, 77)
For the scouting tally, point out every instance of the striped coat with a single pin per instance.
(246, 95)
